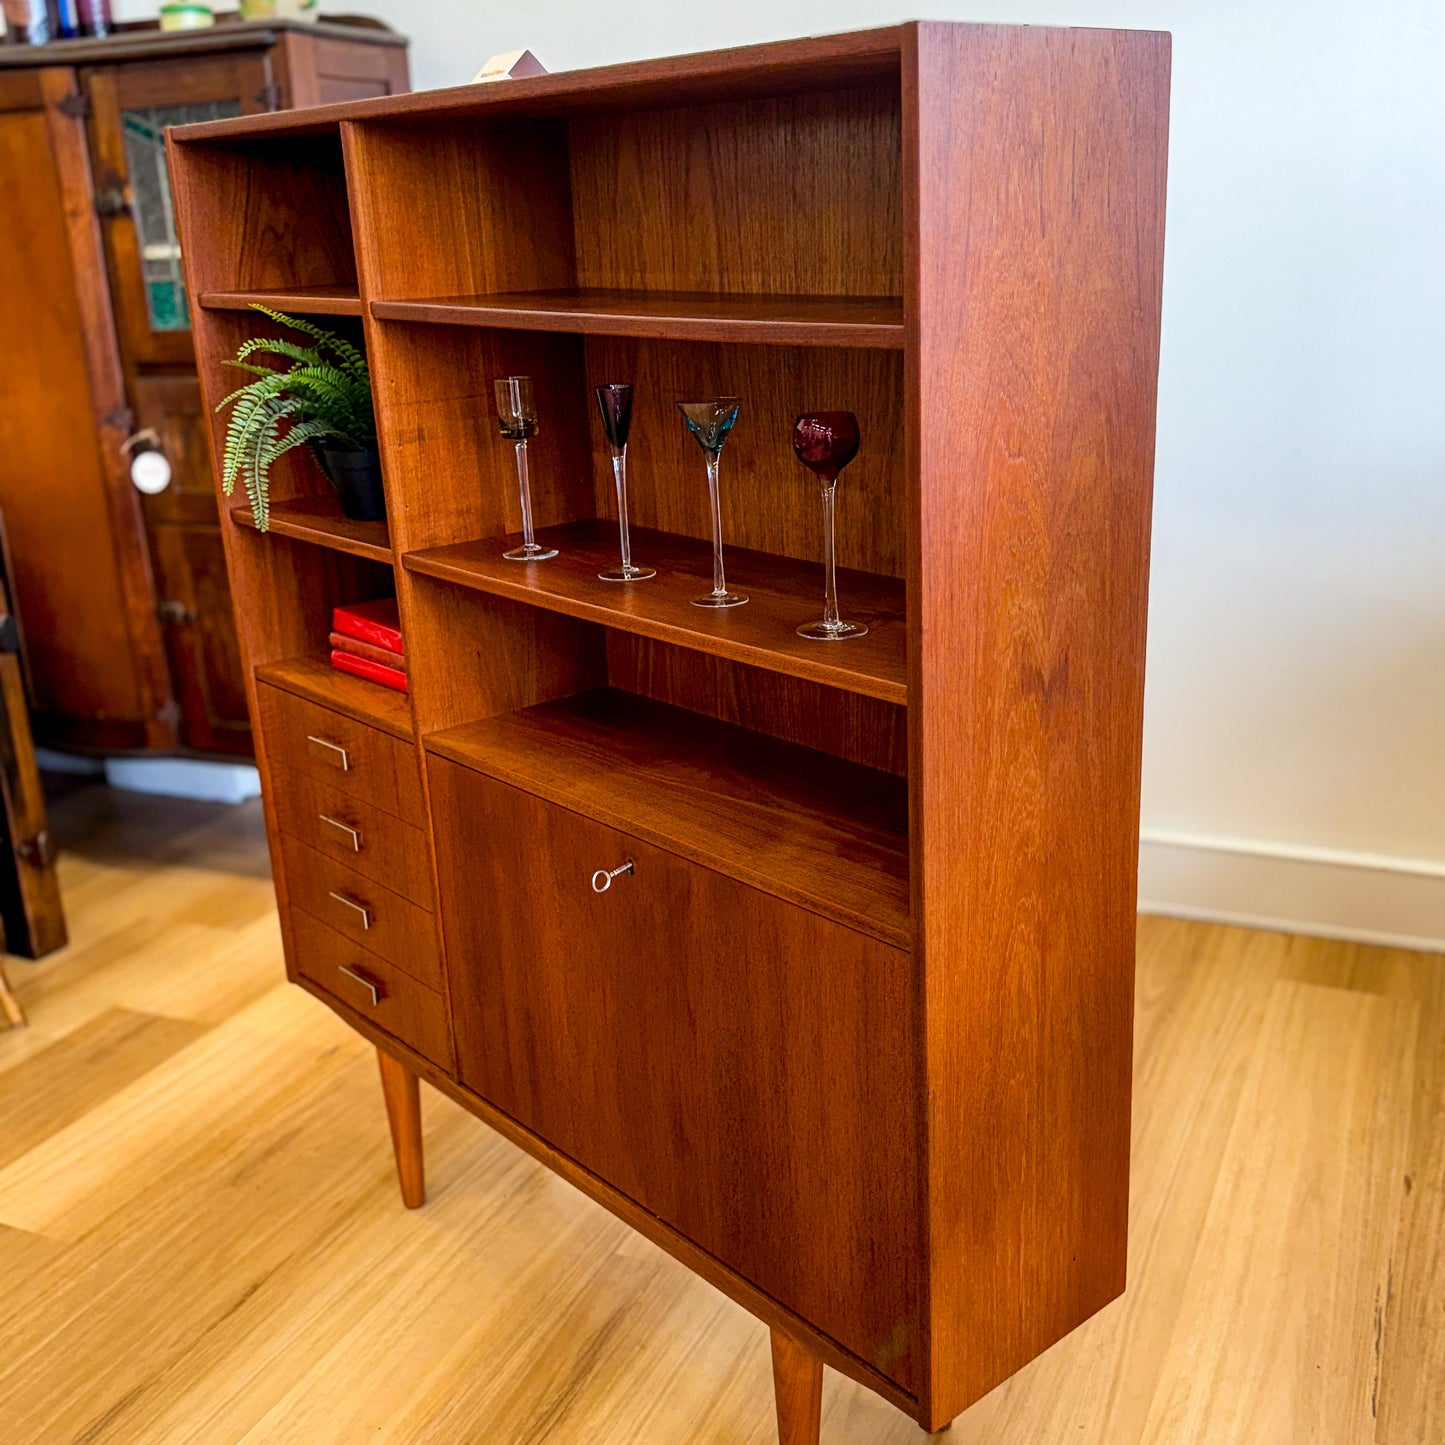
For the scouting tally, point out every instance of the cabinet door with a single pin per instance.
(741, 1068)
(131, 107)
(193, 595)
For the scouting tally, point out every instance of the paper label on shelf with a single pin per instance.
(510, 65)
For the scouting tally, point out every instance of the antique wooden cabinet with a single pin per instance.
(128, 613)
(851, 1036)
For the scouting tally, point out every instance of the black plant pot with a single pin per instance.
(356, 475)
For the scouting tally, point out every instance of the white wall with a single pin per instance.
(1296, 693)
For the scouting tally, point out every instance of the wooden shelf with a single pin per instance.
(319, 520)
(312, 300)
(862, 321)
(783, 594)
(807, 827)
(316, 680)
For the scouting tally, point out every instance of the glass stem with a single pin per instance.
(619, 471)
(719, 582)
(830, 601)
(524, 483)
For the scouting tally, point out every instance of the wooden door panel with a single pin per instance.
(695, 1043)
(82, 577)
(131, 105)
(193, 592)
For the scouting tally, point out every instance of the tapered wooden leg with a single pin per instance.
(798, 1391)
(399, 1086)
(10, 1009)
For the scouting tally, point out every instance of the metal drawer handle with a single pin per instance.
(360, 908)
(369, 984)
(332, 753)
(352, 836)
(602, 878)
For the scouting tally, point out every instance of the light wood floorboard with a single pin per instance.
(201, 1238)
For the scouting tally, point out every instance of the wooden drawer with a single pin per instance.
(379, 920)
(373, 987)
(339, 751)
(697, 1044)
(354, 832)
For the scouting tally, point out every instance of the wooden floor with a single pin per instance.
(201, 1239)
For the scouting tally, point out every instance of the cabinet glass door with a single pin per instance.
(131, 106)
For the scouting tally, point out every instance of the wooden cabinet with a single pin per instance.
(811, 961)
(126, 600)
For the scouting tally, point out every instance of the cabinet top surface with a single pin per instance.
(740, 73)
(147, 42)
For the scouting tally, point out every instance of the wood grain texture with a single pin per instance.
(798, 1390)
(97, 664)
(352, 831)
(208, 1245)
(655, 1090)
(781, 596)
(750, 196)
(307, 300)
(866, 321)
(820, 832)
(860, 729)
(832, 62)
(1301, 1231)
(338, 750)
(402, 932)
(403, 1113)
(319, 520)
(315, 679)
(376, 988)
(1038, 339)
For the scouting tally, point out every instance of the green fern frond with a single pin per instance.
(326, 392)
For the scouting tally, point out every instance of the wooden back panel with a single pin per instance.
(1035, 162)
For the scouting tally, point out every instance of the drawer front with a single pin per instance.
(379, 920)
(354, 832)
(337, 750)
(740, 1067)
(373, 987)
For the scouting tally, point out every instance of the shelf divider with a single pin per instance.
(855, 321)
(783, 593)
(807, 827)
(319, 520)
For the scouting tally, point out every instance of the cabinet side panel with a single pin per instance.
(1035, 159)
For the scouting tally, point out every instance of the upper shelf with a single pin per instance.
(783, 593)
(861, 321)
(829, 835)
(319, 520)
(310, 300)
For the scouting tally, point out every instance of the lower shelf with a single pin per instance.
(807, 827)
(316, 680)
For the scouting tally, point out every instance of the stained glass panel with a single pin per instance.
(144, 133)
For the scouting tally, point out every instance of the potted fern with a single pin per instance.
(322, 401)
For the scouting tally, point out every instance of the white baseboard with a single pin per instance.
(185, 778)
(1364, 897)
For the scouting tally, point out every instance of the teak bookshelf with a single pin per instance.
(853, 1037)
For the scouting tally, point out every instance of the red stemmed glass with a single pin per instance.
(825, 442)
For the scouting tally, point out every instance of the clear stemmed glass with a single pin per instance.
(517, 421)
(615, 403)
(710, 422)
(825, 442)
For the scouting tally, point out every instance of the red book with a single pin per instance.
(371, 671)
(373, 622)
(357, 648)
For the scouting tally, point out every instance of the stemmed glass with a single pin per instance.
(517, 421)
(825, 442)
(615, 403)
(710, 422)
